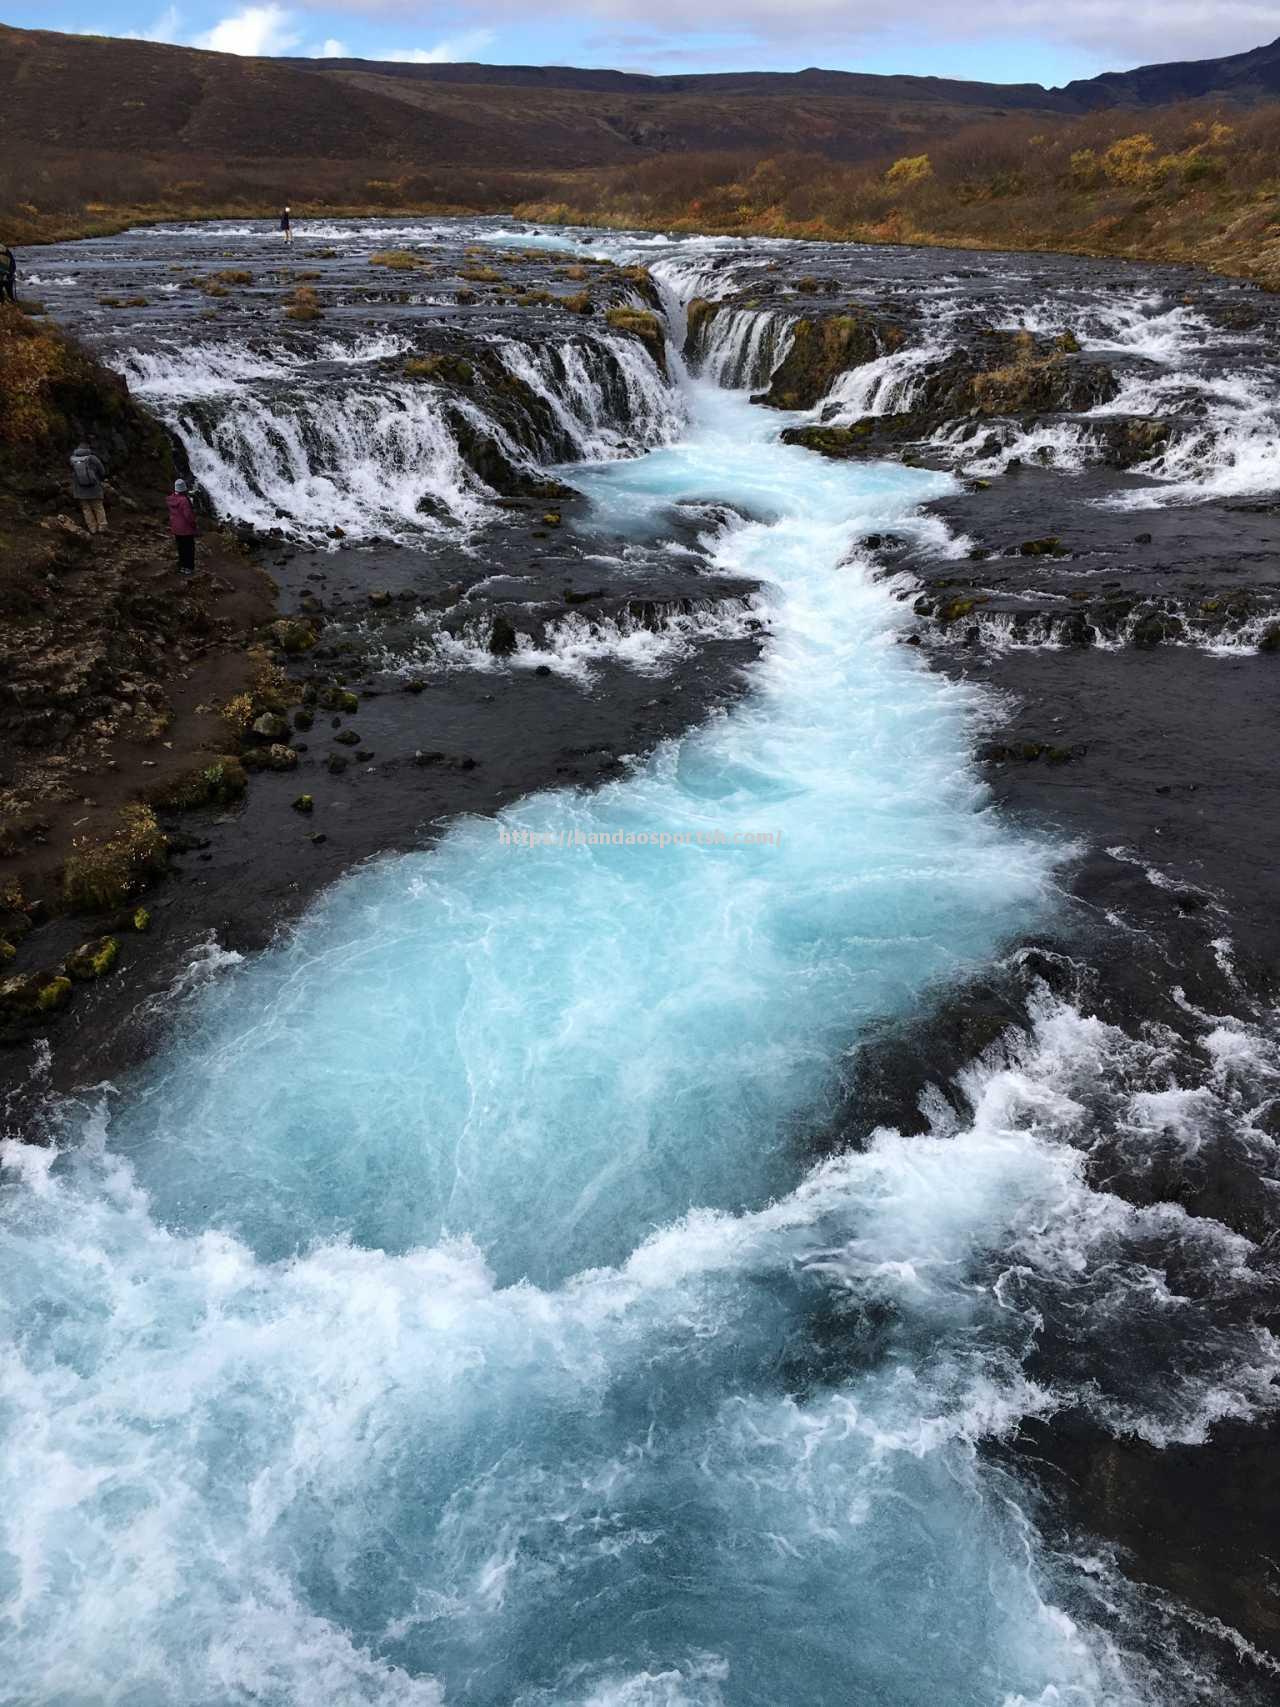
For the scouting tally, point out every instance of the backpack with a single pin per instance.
(84, 471)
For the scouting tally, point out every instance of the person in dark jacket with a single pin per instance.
(286, 225)
(8, 275)
(87, 476)
(182, 525)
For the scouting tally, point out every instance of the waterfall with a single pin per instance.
(604, 390)
(886, 386)
(740, 347)
(277, 439)
(371, 460)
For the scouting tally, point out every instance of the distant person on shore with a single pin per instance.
(87, 476)
(286, 226)
(8, 275)
(182, 525)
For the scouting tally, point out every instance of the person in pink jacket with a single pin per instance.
(182, 525)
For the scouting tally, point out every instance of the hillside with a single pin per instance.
(101, 131)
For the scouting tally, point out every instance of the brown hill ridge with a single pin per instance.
(70, 94)
(100, 132)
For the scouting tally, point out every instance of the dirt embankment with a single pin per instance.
(115, 674)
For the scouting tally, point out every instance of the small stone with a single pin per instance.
(93, 959)
(347, 738)
(336, 764)
(303, 719)
(270, 726)
(141, 919)
(304, 803)
(318, 836)
(54, 995)
(380, 597)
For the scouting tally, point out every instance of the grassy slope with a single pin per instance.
(1179, 184)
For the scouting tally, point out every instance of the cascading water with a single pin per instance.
(309, 438)
(741, 348)
(451, 1311)
(604, 392)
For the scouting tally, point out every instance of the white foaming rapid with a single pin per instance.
(1227, 438)
(884, 386)
(370, 459)
(197, 370)
(575, 646)
(605, 392)
(174, 370)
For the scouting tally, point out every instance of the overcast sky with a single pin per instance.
(1041, 41)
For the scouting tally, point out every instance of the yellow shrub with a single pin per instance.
(1128, 161)
(909, 170)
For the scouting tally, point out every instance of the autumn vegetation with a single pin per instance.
(1180, 184)
(1192, 182)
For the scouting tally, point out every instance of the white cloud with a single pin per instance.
(167, 28)
(837, 31)
(331, 49)
(255, 30)
(447, 52)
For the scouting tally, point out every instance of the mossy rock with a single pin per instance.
(398, 260)
(292, 635)
(54, 994)
(304, 803)
(337, 699)
(698, 315)
(30, 998)
(954, 609)
(642, 324)
(1270, 641)
(276, 757)
(93, 959)
(141, 919)
(820, 351)
(212, 784)
(446, 367)
(1042, 548)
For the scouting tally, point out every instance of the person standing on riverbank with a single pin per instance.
(183, 526)
(87, 476)
(8, 275)
(286, 225)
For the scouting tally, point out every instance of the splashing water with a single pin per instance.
(447, 1314)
